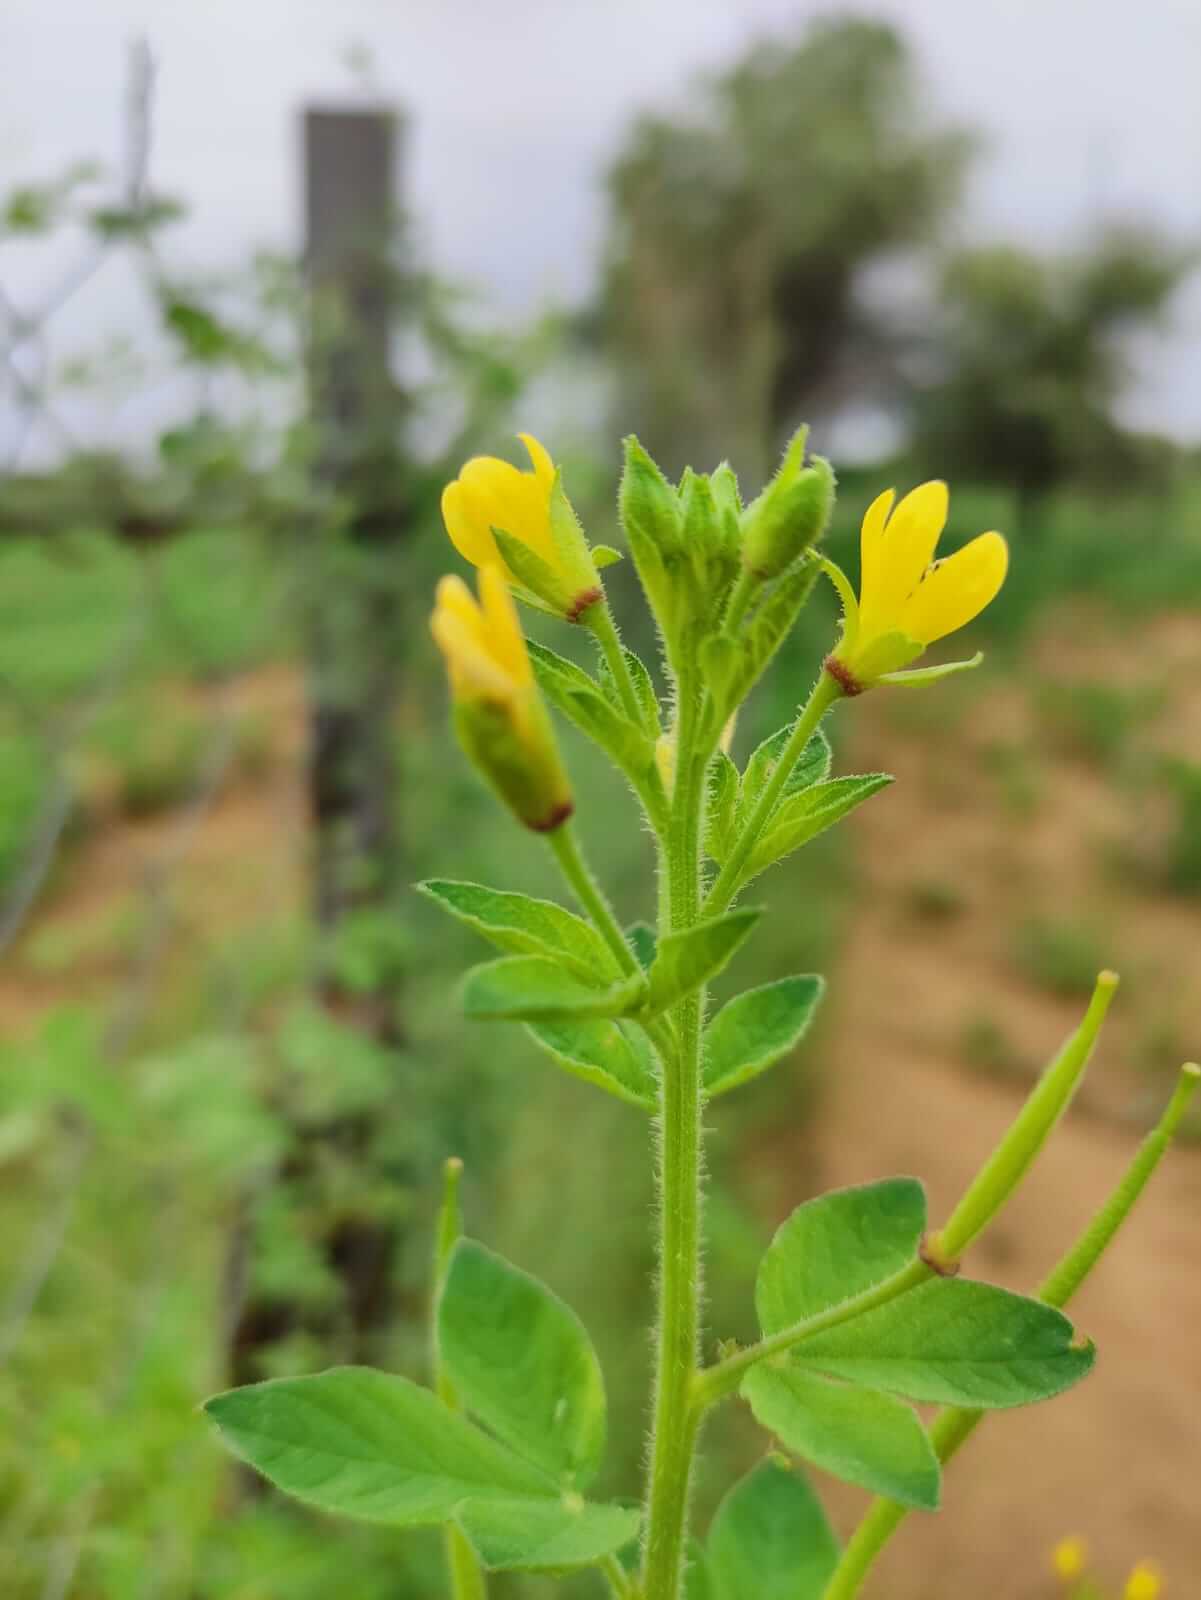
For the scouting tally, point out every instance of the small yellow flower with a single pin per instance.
(1143, 1583)
(500, 717)
(1069, 1559)
(547, 555)
(907, 600)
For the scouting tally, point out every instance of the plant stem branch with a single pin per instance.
(825, 692)
(600, 620)
(952, 1427)
(467, 1581)
(591, 897)
(676, 1419)
(722, 1379)
(618, 1578)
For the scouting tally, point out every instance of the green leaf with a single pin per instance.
(531, 989)
(582, 700)
(698, 1584)
(369, 1445)
(688, 959)
(366, 1444)
(954, 1342)
(545, 1535)
(770, 1539)
(614, 1056)
(723, 798)
(812, 767)
(644, 692)
(732, 666)
(604, 555)
(525, 926)
(858, 1435)
(805, 815)
(522, 1364)
(838, 1246)
(751, 1033)
(644, 941)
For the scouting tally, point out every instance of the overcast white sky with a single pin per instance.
(516, 105)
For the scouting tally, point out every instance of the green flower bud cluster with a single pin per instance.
(692, 544)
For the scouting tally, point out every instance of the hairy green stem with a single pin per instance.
(599, 619)
(825, 692)
(619, 1578)
(676, 1420)
(467, 1581)
(951, 1429)
(591, 896)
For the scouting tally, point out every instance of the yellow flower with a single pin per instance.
(1069, 1558)
(500, 717)
(907, 600)
(545, 554)
(1143, 1583)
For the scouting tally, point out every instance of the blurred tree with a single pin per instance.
(1032, 358)
(740, 236)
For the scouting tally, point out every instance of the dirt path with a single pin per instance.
(1118, 1460)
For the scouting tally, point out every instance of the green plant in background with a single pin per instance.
(861, 1304)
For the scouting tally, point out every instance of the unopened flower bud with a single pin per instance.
(499, 714)
(791, 514)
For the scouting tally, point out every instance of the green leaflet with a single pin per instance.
(803, 816)
(532, 989)
(688, 959)
(522, 1364)
(370, 1445)
(732, 666)
(547, 1535)
(770, 1539)
(583, 701)
(643, 941)
(955, 1342)
(644, 692)
(525, 926)
(365, 1444)
(614, 1056)
(838, 1246)
(858, 1435)
(812, 767)
(752, 1032)
(723, 798)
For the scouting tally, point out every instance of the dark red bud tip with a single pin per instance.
(582, 601)
(845, 679)
(556, 819)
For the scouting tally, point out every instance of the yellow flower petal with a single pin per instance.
(904, 550)
(498, 496)
(505, 638)
(473, 671)
(871, 539)
(956, 590)
(544, 467)
(1068, 1559)
(1143, 1583)
(470, 537)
